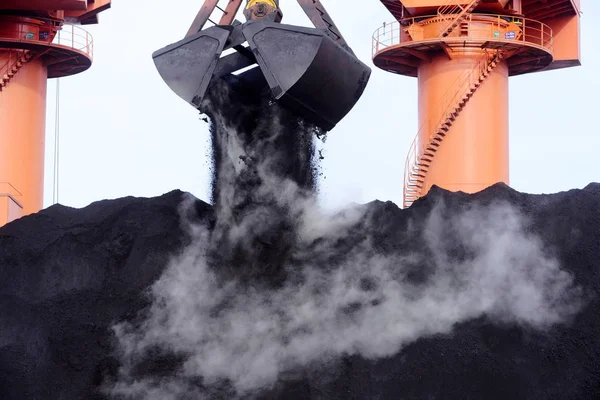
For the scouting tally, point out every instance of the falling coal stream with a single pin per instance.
(260, 151)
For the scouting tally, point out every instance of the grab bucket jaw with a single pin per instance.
(187, 66)
(307, 71)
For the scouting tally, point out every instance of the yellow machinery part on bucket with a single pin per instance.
(253, 2)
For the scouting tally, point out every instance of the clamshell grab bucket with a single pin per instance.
(307, 71)
(303, 69)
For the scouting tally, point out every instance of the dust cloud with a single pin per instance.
(278, 285)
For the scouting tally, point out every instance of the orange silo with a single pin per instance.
(38, 41)
(462, 53)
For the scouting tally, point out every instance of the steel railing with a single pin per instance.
(68, 36)
(74, 37)
(480, 27)
(8, 190)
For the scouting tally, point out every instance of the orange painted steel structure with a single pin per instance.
(463, 52)
(36, 43)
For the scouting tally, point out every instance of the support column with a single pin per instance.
(474, 152)
(22, 136)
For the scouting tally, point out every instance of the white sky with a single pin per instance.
(124, 132)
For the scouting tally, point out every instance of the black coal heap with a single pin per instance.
(69, 274)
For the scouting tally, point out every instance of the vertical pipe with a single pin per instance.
(56, 182)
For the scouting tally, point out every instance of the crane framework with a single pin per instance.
(462, 53)
(39, 40)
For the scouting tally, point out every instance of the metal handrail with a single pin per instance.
(11, 189)
(9, 194)
(531, 31)
(76, 38)
(449, 99)
(68, 36)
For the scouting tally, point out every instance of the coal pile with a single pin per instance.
(67, 276)
(70, 274)
(264, 296)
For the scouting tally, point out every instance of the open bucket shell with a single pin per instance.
(305, 70)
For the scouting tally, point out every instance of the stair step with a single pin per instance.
(415, 181)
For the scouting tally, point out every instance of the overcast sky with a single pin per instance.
(124, 132)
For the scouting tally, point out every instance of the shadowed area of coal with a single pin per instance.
(69, 274)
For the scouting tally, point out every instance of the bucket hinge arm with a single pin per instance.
(207, 9)
(322, 20)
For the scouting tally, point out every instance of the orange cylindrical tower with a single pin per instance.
(35, 44)
(483, 125)
(22, 134)
(463, 52)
